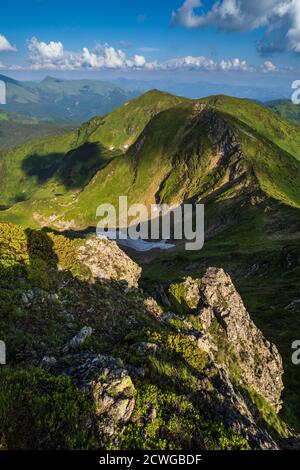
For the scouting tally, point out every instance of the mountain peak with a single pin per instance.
(6, 79)
(49, 79)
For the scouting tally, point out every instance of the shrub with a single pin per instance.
(40, 411)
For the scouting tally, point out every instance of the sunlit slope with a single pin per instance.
(261, 119)
(160, 148)
(56, 165)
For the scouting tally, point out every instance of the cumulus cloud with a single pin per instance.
(47, 52)
(206, 64)
(5, 45)
(268, 66)
(280, 18)
(190, 62)
(52, 55)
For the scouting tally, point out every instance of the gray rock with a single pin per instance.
(146, 348)
(79, 339)
(106, 260)
(108, 383)
(261, 363)
(27, 297)
(48, 362)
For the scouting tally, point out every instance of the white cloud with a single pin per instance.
(268, 66)
(280, 18)
(206, 64)
(5, 45)
(47, 52)
(190, 62)
(54, 56)
(235, 64)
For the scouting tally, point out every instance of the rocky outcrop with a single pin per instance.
(261, 363)
(107, 261)
(198, 368)
(78, 339)
(185, 295)
(229, 406)
(110, 387)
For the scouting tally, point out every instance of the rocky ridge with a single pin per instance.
(217, 304)
(199, 364)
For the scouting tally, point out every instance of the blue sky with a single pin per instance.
(235, 40)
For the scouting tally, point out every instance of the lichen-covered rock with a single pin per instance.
(261, 363)
(185, 295)
(78, 339)
(110, 387)
(107, 261)
(152, 306)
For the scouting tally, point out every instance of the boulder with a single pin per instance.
(78, 339)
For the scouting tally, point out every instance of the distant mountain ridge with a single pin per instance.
(63, 101)
(203, 88)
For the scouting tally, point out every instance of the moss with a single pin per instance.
(167, 420)
(178, 297)
(13, 250)
(267, 415)
(39, 411)
(66, 250)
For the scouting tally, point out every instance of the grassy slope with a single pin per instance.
(86, 150)
(173, 155)
(267, 124)
(56, 414)
(17, 129)
(286, 109)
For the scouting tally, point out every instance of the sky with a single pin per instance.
(230, 41)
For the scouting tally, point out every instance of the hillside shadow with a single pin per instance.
(73, 169)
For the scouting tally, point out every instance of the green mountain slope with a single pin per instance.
(157, 147)
(16, 129)
(58, 164)
(286, 109)
(101, 365)
(267, 124)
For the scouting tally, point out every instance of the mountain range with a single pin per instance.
(202, 88)
(63, 101)
(242, 161)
